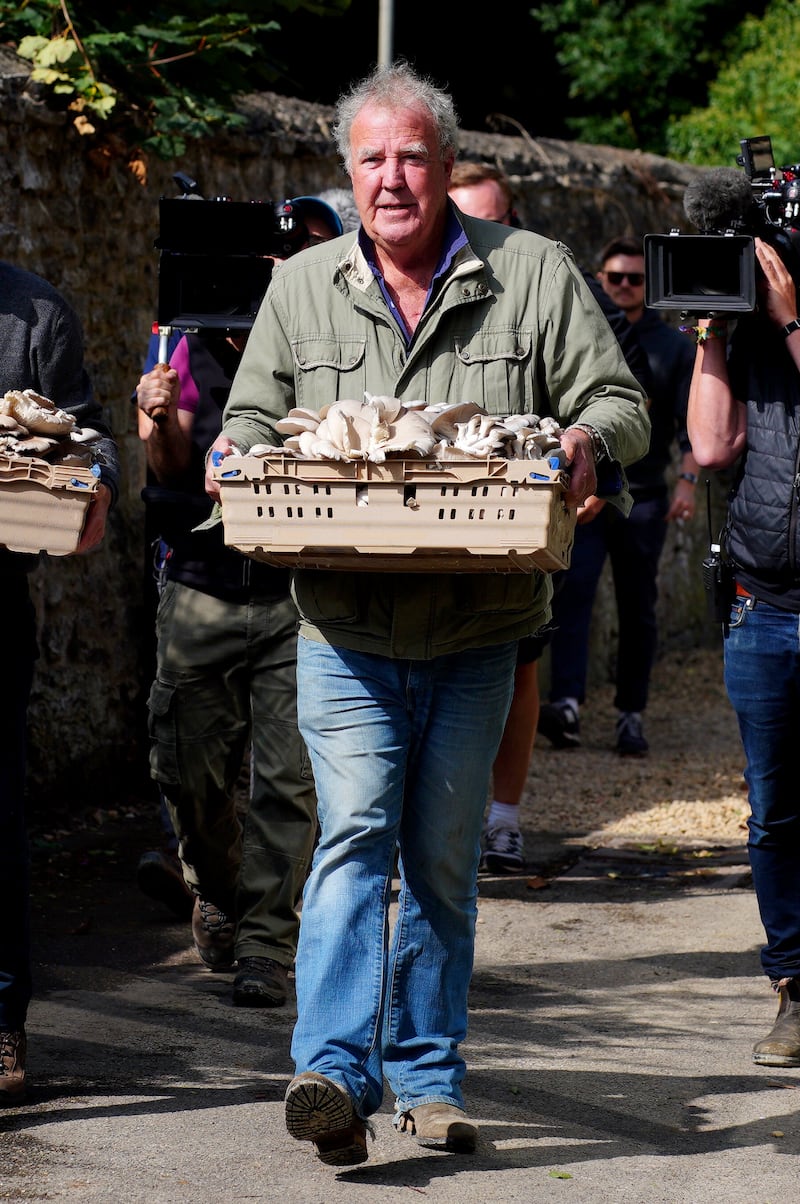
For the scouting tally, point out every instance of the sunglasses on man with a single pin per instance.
(633, 278)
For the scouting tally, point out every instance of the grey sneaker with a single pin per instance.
(781, 1046)
(213, 935)
(630, 737)
(260, 983)
(559, 723)
(13, 1049)
(502, 850)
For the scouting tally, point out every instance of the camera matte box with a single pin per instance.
(402, 516)
(699, 273)
(43, 506)
(213, 268)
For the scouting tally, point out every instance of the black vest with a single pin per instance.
(762, 535)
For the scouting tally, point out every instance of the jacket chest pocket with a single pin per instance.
(493, 370)
(328, 369)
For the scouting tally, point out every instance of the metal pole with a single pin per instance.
(385, 33)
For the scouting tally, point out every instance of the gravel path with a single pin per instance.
(690, 786)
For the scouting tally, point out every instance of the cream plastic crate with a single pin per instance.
(43, 506)
(406, 515)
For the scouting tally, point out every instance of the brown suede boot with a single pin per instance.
(781, 1047)
(440, 1126)
(13, 1048)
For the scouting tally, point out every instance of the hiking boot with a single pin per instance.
(159, 876)
(320, 1111)
(559, 723)
(630, 737)
(213, 935)
(502, 850)
(13, 1048)
(260, 983)
(781, 1047)
(440, 1126)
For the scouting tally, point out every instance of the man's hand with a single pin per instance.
(589, 509)
(777, 287)
(221, 446)
(94, 528)
(577, 445)
(157, 394)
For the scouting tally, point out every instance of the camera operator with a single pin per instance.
(225, 677)
(745, 408)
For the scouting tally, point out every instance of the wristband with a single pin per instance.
(598, 446)
(703, 333)
(790, 327)
(691, 477)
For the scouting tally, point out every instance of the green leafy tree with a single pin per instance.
(756, 92)
(633, 65)
(155, 74)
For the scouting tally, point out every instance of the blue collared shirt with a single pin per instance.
(454, 240)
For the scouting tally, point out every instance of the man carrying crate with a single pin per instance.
(404, 680)
(42, 349)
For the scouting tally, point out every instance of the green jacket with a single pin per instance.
(513, 327)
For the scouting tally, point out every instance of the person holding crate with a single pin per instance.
(405, 679)
(42, 350)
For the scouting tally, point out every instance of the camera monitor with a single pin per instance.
(214, 268)
(700, 273)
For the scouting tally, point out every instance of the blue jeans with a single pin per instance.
(634, 546)
(402, 753)
(762, 677)
(16, 611)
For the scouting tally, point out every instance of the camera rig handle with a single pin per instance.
(159, 415)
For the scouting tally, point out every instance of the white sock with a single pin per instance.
(503, 815)
(568, 702)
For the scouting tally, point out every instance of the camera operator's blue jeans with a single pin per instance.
(634, 546)
(402, 753)
(762, 677)
(19, 655)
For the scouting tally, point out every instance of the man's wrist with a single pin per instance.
(599, 449)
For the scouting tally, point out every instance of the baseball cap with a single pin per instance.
(324, 211)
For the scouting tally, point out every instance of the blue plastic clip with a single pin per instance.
(78, 484)
(216, 458)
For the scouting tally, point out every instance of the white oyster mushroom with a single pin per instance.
(39, 414)
(294, 425)
(388, 407)
(411, 432)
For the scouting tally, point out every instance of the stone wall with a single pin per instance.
(78, 216)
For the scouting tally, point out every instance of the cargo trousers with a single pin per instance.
(226, 676)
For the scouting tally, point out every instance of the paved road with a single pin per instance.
(612, 1015)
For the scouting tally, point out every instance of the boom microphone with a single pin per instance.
(721, 199)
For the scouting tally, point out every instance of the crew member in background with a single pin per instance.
(42, 349)
(225, 681)
(633, 545)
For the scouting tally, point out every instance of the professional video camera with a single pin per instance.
(714, 272)
(216, 257)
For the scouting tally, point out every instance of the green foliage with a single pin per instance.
(158, 72)
(756, 92)
(633, 65)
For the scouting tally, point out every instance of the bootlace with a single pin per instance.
(214, 919)
(9, 1045)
